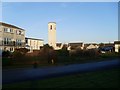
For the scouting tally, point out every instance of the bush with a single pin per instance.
(6, 61)
(85, 53)
(6, 54)
(62, 52)
(20, 53)
(17, 54)
(52, 56)
(22, 50)
(48, 54)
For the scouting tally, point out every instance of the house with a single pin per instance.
(33, 43)
(91, 46)
(106, 44)
(58, 46)
(78, 45)
(11, 37)
(117, 46)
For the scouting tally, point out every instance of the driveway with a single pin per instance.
(17, 75)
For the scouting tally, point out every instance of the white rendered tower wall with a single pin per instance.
(52, 34)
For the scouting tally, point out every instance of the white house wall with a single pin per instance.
(34, 44)
(117, 46)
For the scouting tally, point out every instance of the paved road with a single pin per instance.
(17, 75)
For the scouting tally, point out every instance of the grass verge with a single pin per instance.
(98, 79)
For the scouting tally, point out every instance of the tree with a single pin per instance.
(101, 44)
(64, 51)
(48, 53)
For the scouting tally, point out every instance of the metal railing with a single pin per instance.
(12, 43)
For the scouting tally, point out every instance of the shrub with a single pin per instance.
(22, 50)
(84, 53)
(6, 61)
(47, 53)
(52, 56)
(79, 52)
(17, 55)
(72, 53)
(91, 53)
(62, 52)
(6, 54)
(20, 53)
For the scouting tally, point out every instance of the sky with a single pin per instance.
(88, 22)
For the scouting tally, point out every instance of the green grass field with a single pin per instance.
(98, 79)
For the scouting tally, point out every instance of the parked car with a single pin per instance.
(106, 49)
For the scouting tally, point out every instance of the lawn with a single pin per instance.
(98, 79)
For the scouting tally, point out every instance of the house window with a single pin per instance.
(18, 32)
(11, 49)
(26, 41)
(5, 29)
(22, 33)
(11, 30)
(8, 30)
(7, 41)
(18, 42)
(30, 42)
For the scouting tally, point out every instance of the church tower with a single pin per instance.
(52, 34)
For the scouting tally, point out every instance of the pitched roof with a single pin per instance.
(109, 44)
(34, 38)
(116, 42)
(9, 25)
(75, 44)
(86, 45)
(106, 45)
(58, 44)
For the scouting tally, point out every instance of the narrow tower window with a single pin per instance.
(51, 27)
